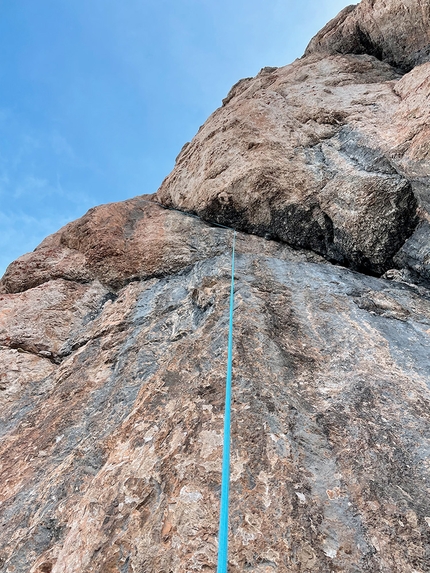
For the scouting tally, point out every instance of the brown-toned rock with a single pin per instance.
(122, 242)
(113, 344)
(330, 153)
(44, 319)
(396, 31)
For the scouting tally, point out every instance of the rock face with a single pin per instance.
(330, 153)
(113, 337)
(397, 32)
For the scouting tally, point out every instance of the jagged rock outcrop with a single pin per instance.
(118, 243)
(330, 153)
(113, 338)
(394, 31)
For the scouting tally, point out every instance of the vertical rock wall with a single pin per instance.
(113, 336)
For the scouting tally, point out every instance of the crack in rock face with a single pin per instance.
(113, 336)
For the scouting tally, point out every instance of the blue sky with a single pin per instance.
(97, 97)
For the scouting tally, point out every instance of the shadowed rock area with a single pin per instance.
(397, 32)
(113, 337)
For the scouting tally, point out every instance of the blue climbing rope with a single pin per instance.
(225, 478)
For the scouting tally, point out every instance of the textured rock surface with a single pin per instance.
(330, 153)
(122, 242)
(391, 30)
(113, 337)
(111, 458)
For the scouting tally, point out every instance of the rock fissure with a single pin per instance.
(45, 354)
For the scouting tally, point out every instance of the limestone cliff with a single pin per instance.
(113, 336)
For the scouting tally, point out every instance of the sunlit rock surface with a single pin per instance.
(113, 340)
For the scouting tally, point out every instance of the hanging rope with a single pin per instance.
(225, 478)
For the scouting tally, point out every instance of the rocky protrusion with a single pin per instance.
(301, 154)
(415, 253)
(118, 243)
(396, 31)
(330, 153)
